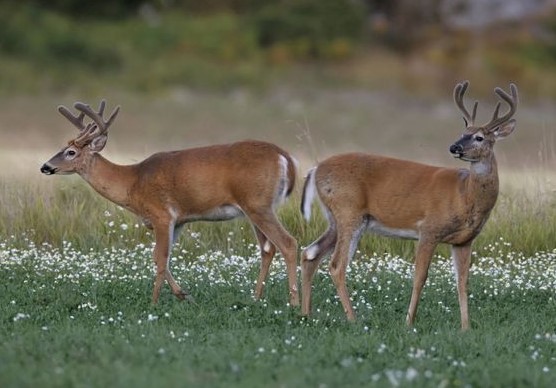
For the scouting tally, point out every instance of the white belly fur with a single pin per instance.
(222, 213)
(377, 228)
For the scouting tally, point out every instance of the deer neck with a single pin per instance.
(482, 184)
(110, 180)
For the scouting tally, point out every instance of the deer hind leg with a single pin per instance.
(423, 257)
(349, 234)
(269, 225)
(461, 255)
(310, 260)
(268, 249)
(164, 234)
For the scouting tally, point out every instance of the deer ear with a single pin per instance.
(98, 143)
(505, 129)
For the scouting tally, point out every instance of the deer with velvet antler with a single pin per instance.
(398, 198)
(169, 189)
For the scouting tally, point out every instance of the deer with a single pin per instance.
(169, 189)
(360, 192)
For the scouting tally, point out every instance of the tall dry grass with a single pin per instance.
(311, 124)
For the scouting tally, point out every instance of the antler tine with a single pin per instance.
(459, 92)
(113, 116)
(496, 111)
(86, 135)
(75, 120)
(97, 116)
(101, 107)
(512, 102)
(475, 105)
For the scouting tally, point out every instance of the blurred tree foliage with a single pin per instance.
(90, 9)
(310, 28)
(231, 42)
(45, 30)
(51, 38)
(291, 29)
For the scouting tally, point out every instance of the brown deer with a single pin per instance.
(169, 189)
(403, 199)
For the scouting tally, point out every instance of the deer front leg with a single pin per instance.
(164, 234)
(461, 255)
(423, 257)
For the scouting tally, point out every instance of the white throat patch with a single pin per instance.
(481, 168)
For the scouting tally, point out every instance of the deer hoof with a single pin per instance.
(182, 295)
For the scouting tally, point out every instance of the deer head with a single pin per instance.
(91, 139)
(477, 142)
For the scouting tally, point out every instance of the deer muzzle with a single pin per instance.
(48, 170)
(456, 149)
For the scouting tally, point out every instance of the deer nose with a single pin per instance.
(456, 148)
(46, 169)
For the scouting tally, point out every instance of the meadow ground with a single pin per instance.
(74, 317)
(76, 272)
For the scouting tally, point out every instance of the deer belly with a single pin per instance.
(221, 213)
(376, 227)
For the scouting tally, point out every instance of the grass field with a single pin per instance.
(74, 317)
(76, 272)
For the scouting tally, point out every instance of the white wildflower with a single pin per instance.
(20, 316)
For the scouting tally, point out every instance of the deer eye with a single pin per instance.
(479, 138)
(71, 153)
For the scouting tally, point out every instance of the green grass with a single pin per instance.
(76, 279)
(84, 318)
